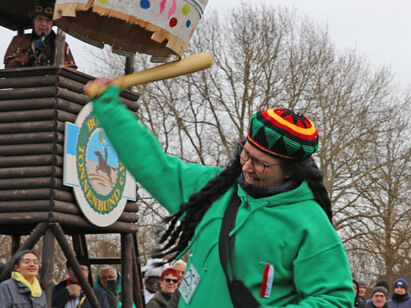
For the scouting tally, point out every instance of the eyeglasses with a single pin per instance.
(258, 165)
(28, 261)
(168, 280)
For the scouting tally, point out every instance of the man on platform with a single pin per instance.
(37, 48)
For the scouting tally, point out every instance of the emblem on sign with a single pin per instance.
(100, 181)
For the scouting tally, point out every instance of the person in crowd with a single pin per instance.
(400, 297)
(378, 298)
(152, 278)
(362, 290)
(37, 48)
(109, 280)
(358, 303)
(383, 284)
(23, 288)
(277, 211)
(168, 285)
(69, 294)
(180, 266)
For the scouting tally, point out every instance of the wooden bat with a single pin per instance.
(187, 65)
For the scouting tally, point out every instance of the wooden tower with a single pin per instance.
(35, 103)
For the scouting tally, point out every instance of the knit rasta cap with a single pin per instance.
(281, 132)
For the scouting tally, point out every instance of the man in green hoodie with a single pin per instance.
(259, 231)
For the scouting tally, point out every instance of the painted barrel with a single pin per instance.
(159, 28)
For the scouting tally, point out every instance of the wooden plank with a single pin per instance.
(32, 127)
(79, 221)
(36, 171)
(71, 96)
(23, 218)
(29, 183)
(70, 84)
(30, 149)
(27, 104)
(37, 137)
(28, 93)
(25, 194)
(69, 106)
(28, 82)
(28, 115)
(31, 160)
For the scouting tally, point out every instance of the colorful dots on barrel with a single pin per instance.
(145, 4)
(173, 22)
(186, 9)
(188, 23)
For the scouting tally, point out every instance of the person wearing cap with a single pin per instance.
(385, 285)
(358, 302)
(152, 278)
(378, 298)
(168, 285)
(23, 289)
(69, 294)
(400, 297)
(362, 290)
(286, 252)
(37, 48)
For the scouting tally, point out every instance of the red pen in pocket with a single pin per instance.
(267, 282)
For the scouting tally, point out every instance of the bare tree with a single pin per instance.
(272, 57)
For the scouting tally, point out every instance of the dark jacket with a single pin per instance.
(159, 300)
(360, 304)
(60, 297)
(175, 298)
(404, 302)
(20, 54)
(14, 294)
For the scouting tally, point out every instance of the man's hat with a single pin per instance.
(401, 282)
(379, 289)
(281, 132)
(42, 7)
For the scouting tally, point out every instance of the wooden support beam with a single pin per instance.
(138, 289)
(126, 270)
(46, 274)
(69, 253)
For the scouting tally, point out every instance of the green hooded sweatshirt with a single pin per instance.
(288, 231)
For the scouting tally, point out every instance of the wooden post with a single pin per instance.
(138, 289)
(15, 243)
(129, 65)
(69, 253)
(126, 270)
(80, 248)
(46, 276)
(60, 48)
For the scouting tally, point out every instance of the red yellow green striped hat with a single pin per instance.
(283, 133)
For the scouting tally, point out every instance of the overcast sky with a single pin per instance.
(376, 29)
